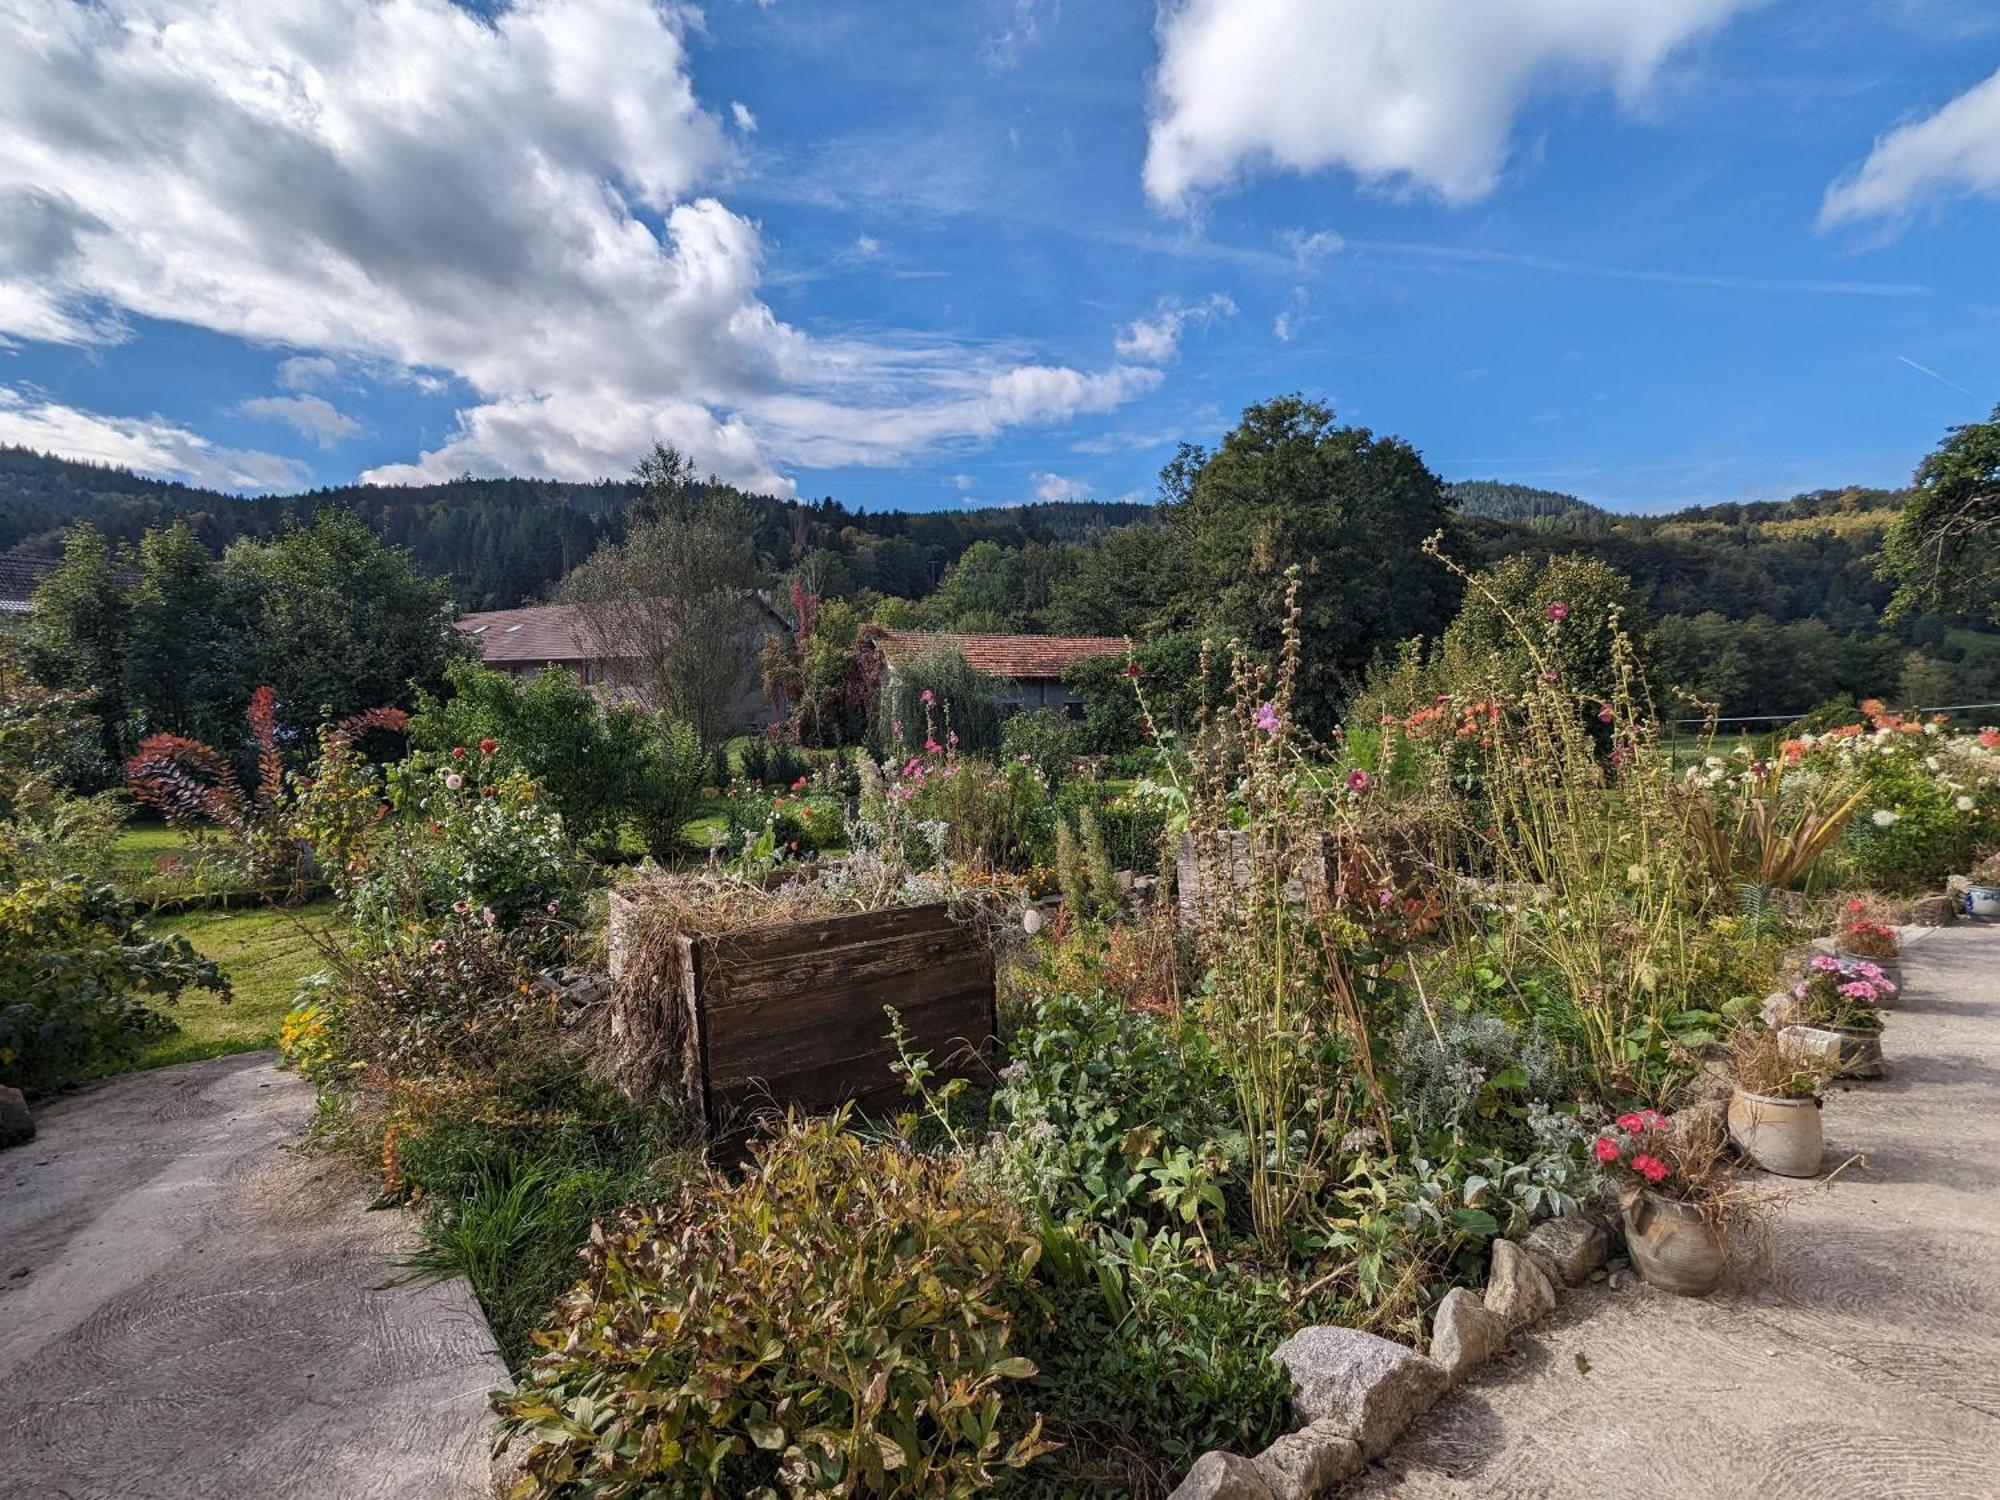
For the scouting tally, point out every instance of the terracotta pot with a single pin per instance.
(1671, 1245)
(1780, 1135)
(1891, 967)
(1858, 1054)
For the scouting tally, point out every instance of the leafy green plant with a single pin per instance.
(835, 1323)
(75, 968)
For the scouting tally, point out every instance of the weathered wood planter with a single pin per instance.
(764, 1019)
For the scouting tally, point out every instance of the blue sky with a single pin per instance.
(921, 255)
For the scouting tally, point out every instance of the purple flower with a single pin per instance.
(1558, 611)
(1267, 718)
(1357, 780)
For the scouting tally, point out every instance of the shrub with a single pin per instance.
(599, 763)
(937, 698)
(1046, 739)
(988, 813)
(834, 1323)
(74, 964)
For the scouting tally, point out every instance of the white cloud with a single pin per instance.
(510, 197)
(1402, 93)
(310, 416)
(150, 445)
(961, 482)
(1292, 316)
(1954, 151)
(304, 371)
(740, 113)
(1155, 340)
(1052, 487)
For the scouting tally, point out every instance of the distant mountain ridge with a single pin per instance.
(504, 542)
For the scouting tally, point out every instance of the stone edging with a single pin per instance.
(1354, 1393)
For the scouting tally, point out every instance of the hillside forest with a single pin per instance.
(1772, 608)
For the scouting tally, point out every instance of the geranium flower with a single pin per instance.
(1605, 1149)
(488, 746)
(458, 752)
(1559, 611)
(1651, 1168)
(1631, 1123)
(1267, 718)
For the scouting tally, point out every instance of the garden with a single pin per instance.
(971, 1109)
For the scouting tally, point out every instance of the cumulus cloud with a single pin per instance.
(1403, 93)
(149, 444)
(740, 113)
(1954, 151)
(1157, 339)
(1052, 487)
(304, 371)
(310, 416)
(511, 196)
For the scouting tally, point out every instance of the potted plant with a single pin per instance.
(1774, 1111)
(1672, 1195)
(1836, 1012)
(1982, 900)
(1860, 940)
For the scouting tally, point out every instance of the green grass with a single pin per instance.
(265, 952)
(200, 869)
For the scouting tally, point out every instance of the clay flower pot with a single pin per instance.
(1671, 1245)
(1857, 1053)
(1778, 1134)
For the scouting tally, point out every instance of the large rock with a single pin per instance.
(1222, 1476)
(1464, 1334)
(1934, 911)
(1309, 1462)
(16, 1124)
(1367, 1388)
(1518, 1291)
(1571, 1246)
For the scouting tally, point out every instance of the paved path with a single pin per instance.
(190, 1309)
(1864, 1363)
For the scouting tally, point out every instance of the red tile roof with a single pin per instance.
(543, 632)
(1012, 656)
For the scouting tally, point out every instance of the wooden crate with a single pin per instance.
(791, 1015)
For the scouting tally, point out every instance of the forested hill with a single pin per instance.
(1496, 500)
(502, 542)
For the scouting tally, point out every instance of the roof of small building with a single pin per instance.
(20, 576)
(541, 632)
(1012, 656)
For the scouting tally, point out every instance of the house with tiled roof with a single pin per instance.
(522, 642)
(1029, 668)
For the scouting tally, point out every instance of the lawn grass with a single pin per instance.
(265, 951)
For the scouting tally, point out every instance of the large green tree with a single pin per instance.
(1290, 487)
(77, 629)
(1944, 550)
(191, 659)
(342, 623)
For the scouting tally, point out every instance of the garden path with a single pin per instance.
(1864, 1361)
(191, 1308)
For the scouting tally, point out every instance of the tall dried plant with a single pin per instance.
(1279, 998)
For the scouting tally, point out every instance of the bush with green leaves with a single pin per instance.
(834, 1323)
(936, 698)
(600, 763)
(76, 967)
(1044, 738)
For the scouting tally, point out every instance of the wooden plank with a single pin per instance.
(737, 1053)
(806, 1005)
(747, 981)
(827, 1083)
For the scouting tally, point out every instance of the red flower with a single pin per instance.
(1558, 611)
(488, 746)
(1631, 1123)
(1651, 1168)
(1605, 715)
(1606, 1149)
(458, 752)
(1357, 780)
(1131, 669)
